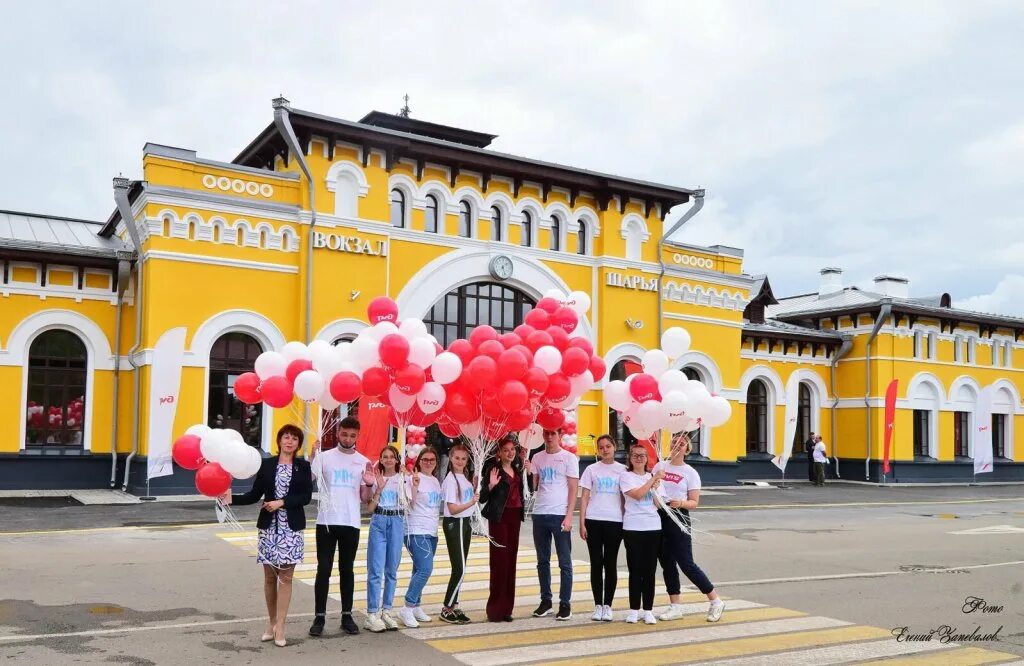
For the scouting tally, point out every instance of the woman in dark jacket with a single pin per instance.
(285, 484)
(502, 496)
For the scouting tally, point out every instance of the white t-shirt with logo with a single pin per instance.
(819, 453)
(457, 490)
(602, 480)
(426, 509)
(640, 515)
(678, 482)
(554, 471)
(339, 477)
(389, 496)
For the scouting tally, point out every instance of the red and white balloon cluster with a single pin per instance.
(570, 439)
(662, 398)
(415, 442)
(217, 456)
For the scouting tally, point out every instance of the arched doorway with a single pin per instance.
(57, 374)
(804, 425)
(231, 355)
(757, 417)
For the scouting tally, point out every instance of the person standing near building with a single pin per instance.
(425, 501)
(345, 479)
(384, 545)
(502, 497)
(556, 474)
(460, 500)
(809, 450)
(680, 490)
(820, 460)
(641, 530)
(601, 524)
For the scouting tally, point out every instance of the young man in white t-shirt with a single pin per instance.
(820, 460)
(345, 480)
(556, 474)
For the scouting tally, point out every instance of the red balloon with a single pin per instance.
(644, 387)
(510, 340)
(416, 417)
(583, 344)
(492, 348)
(496, 430)
(481, 373)
(523, 331)
(463, 350)
(520, 420)
(536, 381)
(548, 304)
(277, 391)
(550, 418)
(376, 381)
(513, 396)
(461, 407)
(297, 367)
(449, 428)
(559, 388)
(527, 354)
(410, 379)
(393, 418)
(482, 334)
(213, 480)
(186, 451)
(345, 386)
(394, 351)
(538, 339)
(538, 318)
(575, 362)
(491, 406)
(247, 389)
(597, 367)
(566, 318)
(381, 309)
(511, 364)
(559, 338)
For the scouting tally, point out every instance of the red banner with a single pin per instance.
(890, 417)
(373, 427)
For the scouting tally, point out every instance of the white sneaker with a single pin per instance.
(674, 612)
(407, 618)
(420, 615)
(388, 619)
(606, 614)
(374, 623)
(598, 613)
(715, 610)
(632, 616)
(649, 618)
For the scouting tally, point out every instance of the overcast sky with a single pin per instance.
(878, 137)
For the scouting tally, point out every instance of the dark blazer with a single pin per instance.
(494, 499)
(300, 493)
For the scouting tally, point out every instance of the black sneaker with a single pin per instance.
(317, 627)
(509, 618)
(463, 618)
(564, 612)
(348, 625)
(543, 609)
(449, 616)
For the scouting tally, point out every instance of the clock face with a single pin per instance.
(501, 267)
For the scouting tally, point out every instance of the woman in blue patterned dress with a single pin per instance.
(285, 484)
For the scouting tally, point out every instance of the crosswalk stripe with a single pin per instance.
(303, 571)
(586, 651)
(967, 656)
(837, 654)
(604, 632)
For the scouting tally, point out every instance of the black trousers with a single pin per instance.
(458, 533)
(810, 467)
(603, 540)
(642, 560)
(329, 540)
(677, 550)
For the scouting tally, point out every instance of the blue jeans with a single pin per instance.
(422, 549)
(383, 554)
(544, 528)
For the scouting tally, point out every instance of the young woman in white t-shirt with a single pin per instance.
(641, 530)
(680, 490)
(425, 502)
(601, 524)
(460, 500)
(384, 545)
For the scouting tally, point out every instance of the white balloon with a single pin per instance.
(198, 430)
(548, 359)
(580, 384)
(422, 352)
(327, 364)
(327, 400)
(556, 294)
(270, 364)
(343, 350)
(318, 347)
(674, 405)
(235, 459)
(446, 368)
(365, 352)
(655, 362)
(295, 350)
(472, 430)
(717, 411)
(412, 329)
(234, 435)
(579, 301)
(255, 459)
(650, 415)
(532, 437)
(431, 397)
(617, 394)
(643, 435)
(309, 385)
(629, 416)
(380, 329)
(400, 401)
(213, 446)
(690, 424)
(671, 380)
(675, 341)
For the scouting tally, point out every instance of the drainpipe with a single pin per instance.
(843, 350)
(124, 208)
(698, 203)
(124, 272)
(883, 314)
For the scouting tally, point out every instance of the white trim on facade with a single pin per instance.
(339, 328)
(220, 261)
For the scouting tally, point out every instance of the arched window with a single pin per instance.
(757, 417)
(465, 219)
(634, 236)
(695, 437)
(803, 419)
(346, 195)
(463, 309)
(431, 217)
(616, 427)
(231, 355)
(495, 223)
(526, 237)
(397, 208)
(556, 233)
(55, 409)
(581, 239)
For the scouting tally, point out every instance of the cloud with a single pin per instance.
(1007, 298)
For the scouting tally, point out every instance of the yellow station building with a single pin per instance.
(318, 215)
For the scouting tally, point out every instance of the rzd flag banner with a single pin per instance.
(792, 414)
(890, 417)
(373, 427)
(983, 431)
(165, 381)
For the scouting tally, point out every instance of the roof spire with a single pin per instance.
(405, 110)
